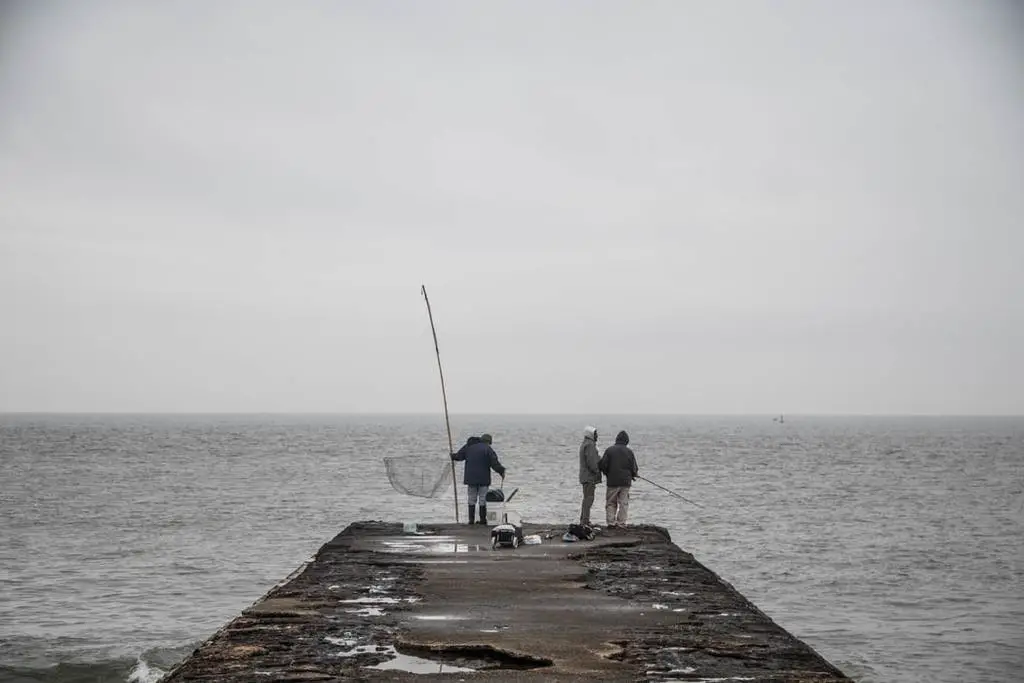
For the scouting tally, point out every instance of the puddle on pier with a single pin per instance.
(397, 661)
(704, 680)
(416, 665)
(344, 642)
(430, 545)
(454, 659)
(380, 600)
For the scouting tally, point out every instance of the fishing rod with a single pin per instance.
(444, 395)
(677, 495)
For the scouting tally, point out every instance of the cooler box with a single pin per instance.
(495, 517)
(494, 510)
(497, 513)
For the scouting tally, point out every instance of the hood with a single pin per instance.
(472, 440)
(590, 433)
(622, 438)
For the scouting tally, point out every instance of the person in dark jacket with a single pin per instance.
(619, 466)
(480, 460)
(590, 473)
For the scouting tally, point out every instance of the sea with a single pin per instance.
(892, 545)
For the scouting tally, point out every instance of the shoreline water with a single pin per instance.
(901, 532)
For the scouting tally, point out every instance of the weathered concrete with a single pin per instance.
(628, 606)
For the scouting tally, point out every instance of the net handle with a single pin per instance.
(444, 395)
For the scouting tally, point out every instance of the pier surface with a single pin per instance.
(376, 603)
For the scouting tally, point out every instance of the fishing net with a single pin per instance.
(417, 476)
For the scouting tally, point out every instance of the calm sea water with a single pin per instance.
(893, 546)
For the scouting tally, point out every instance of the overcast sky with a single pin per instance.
(616, 207)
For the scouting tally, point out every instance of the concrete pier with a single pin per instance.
(376, 603)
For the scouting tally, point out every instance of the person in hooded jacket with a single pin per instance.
(590, 473)
(619, 467)
(480, 460)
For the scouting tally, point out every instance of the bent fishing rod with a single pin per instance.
(677, 495)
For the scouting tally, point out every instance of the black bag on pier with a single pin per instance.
(582, 532)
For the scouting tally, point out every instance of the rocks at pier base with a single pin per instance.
(376, 603)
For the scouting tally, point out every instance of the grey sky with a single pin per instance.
(680, 207)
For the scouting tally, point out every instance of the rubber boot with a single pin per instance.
(472, 513)
(483, 515)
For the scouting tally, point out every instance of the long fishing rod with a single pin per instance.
(444, 395)
(677, 495)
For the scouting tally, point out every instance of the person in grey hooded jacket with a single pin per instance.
(590, 473)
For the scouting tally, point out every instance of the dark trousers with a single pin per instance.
(588, 502)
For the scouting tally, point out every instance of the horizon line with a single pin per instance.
(495, 414)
